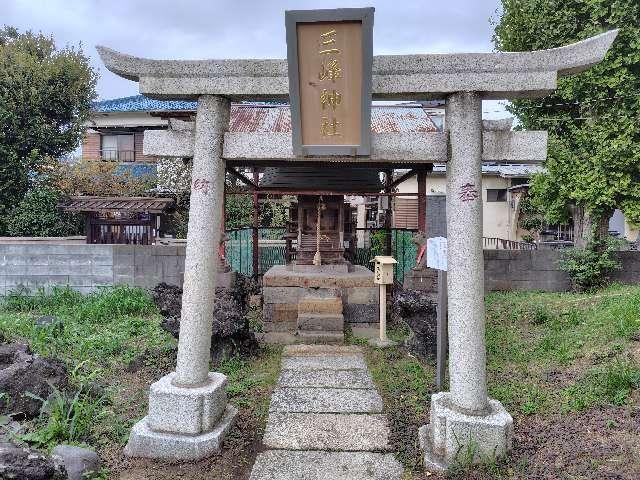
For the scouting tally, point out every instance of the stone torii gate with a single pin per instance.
(188, 411)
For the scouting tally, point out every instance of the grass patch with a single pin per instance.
(114, 348)
(104, 330)
(548, 354)
(562, 352)
(252, 380)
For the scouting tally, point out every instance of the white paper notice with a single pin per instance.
(437, 253)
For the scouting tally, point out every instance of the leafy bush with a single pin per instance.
(378, 240)
(38, 215)
(589, 267)
(91, 177)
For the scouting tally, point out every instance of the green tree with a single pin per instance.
(45, 96)
(593, 166)
(37, 215)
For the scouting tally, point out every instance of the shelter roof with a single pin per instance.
(130, 204)
(340, 180)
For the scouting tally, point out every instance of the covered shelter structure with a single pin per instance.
(125, 220)
(188, 412)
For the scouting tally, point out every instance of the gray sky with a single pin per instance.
(193, 29)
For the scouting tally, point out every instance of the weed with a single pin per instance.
(65, 418)
(611, 383)
(541, 314)
(247, 378)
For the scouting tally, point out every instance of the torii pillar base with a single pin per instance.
(452, 435)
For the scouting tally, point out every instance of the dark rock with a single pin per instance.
(21, 372)
(230, 333)
(10, 352)
(418, 310)
(18, 463)
(46, 321)
(77, 461)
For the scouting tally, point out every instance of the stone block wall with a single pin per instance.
(507, 270)
(85, 268)
(283, 289)
(513, 270)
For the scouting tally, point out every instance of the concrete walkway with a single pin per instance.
(325, 420)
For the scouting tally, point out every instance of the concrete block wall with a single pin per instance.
(513, 270)
(506, 270)
(34, 266)
(86, 268)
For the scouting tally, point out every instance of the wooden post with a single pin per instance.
(383, 314)
(441, 330)
(256, 220)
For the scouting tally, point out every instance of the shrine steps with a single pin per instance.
(320, 318)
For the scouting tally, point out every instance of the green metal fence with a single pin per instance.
(239, 249)
(373, 242)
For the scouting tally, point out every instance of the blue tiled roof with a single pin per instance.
(137, 169)
(140, 103)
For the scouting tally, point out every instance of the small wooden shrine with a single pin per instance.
(321, 223)
(124, 220)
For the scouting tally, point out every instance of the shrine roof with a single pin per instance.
(339, 180)
(131, 204)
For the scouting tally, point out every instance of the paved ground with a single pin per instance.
(325, 420)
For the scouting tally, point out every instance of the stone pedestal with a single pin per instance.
(183, 423)
(451, 432)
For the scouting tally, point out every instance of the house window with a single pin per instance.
(496, 194)
(118, 148)
(519, 181)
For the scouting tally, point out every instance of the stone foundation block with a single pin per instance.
(147, 443)
(331, 306)
(189, 411)
(280, 294)
(288, 326)
(451, 432)
(321, 322)
(280, 312)
(363, 295)
(361, 314)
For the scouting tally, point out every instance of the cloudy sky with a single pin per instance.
(193, 29)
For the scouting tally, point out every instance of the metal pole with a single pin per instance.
(441, 330)
(256, 220)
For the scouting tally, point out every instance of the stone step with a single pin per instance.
(314, 465)
(321, 362)
(327, 431)
(326, 305)
(321, 321)
(325, 379)
(320, 350)
(325, 400)
(316, 336)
